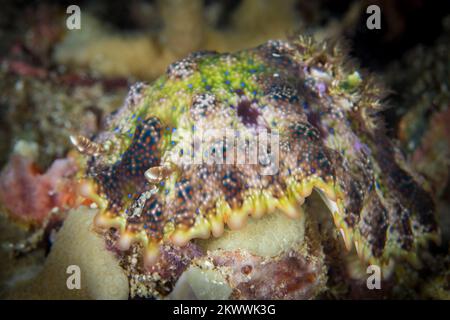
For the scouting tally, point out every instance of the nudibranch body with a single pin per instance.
(155, 182)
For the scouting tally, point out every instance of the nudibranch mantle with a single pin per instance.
(330, 138)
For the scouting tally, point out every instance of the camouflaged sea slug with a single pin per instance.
(331, 140)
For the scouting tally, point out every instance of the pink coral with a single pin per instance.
(29, 196)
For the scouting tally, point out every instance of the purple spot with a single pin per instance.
(247, 113)
(361, 147)
(321, 87)
(357, 145)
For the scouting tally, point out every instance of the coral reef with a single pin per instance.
(145, 217)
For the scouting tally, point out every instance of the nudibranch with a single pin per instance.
(323, 113)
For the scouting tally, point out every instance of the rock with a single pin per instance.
(267, 237)
(271, 258)
(77, 244)
(196, 283)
